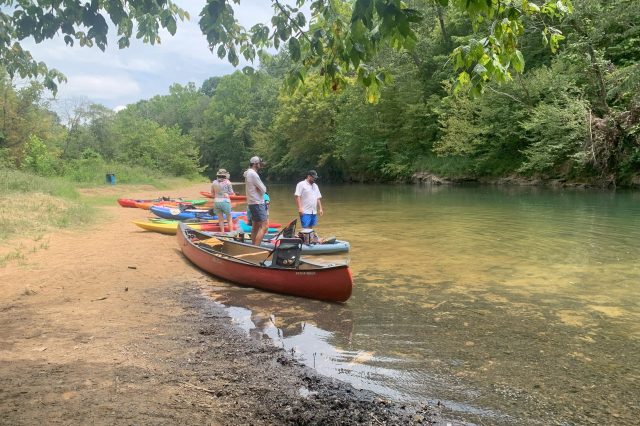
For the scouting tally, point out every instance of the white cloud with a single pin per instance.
(118, 77)
(102, 87)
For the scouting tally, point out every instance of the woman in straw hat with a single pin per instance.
(220, 190)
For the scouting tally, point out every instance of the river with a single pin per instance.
(507, 305)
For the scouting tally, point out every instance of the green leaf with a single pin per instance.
(222, 52)
(294, 49)
(123, 42)
(232, 57)
(171, 25)
(479, 69)
(518, 62)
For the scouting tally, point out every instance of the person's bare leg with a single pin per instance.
(221, 221)
(258, 234)
(255, 230)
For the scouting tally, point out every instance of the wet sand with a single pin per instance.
(112, 325)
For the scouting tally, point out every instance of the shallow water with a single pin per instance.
(510, 306)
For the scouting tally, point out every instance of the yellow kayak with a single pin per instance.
(171, 227)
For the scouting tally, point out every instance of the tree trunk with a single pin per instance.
(443, 28)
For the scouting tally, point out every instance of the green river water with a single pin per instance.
(507, 305)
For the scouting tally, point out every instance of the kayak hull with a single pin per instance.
(171, 227)
(177, 214)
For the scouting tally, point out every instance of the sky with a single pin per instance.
(118, 77)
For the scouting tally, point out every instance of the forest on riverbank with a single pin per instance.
(573, 113)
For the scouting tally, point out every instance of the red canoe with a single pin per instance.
(235, 197)
(253, 266)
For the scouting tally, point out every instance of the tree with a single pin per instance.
(335, 38)
(182, 107)
(235, 121)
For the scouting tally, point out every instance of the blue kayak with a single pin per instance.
(177, 214)
(245, 227)
(336, 246)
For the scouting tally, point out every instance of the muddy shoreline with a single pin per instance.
(273, 388)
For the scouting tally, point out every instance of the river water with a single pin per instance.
(507, 305)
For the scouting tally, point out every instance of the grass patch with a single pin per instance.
(33, 214)
(16, 254)
(92, 172)
(17, 182)
(31, 205)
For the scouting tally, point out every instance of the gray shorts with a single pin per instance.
(258, 212)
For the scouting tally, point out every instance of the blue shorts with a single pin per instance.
(222, 207)
(258, 212)
(308, 220)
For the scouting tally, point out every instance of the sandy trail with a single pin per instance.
(109, 325)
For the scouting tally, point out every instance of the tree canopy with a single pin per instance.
(335, 38)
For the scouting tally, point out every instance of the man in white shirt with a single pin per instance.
(308, 197)
(255, 201)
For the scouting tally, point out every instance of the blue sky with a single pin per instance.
(118, 77)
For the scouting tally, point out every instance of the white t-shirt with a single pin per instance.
(309, 195)
(255, 187)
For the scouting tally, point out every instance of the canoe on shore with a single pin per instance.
(280, 271)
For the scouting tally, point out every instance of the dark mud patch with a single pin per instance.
(255, 382)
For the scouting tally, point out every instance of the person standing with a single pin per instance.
(255, 200)
(221, 190)
(307, 198)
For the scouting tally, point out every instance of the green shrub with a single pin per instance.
(557, 133)
(37, 157)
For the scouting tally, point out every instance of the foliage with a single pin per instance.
(235, 121)
(24, 112)
(332, 38)
(574, 114)
(7, 161)
(37, 158)
(183, 107)
(144, 143)
(556, 133)
(43, 19)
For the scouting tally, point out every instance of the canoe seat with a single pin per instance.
(286, 253)
(213, 241)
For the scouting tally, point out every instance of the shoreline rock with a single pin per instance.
(428, 178)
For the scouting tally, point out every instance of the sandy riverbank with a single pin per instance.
(110, 325)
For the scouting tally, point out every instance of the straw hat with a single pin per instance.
(223, 173)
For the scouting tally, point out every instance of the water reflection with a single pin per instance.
(512, 306)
